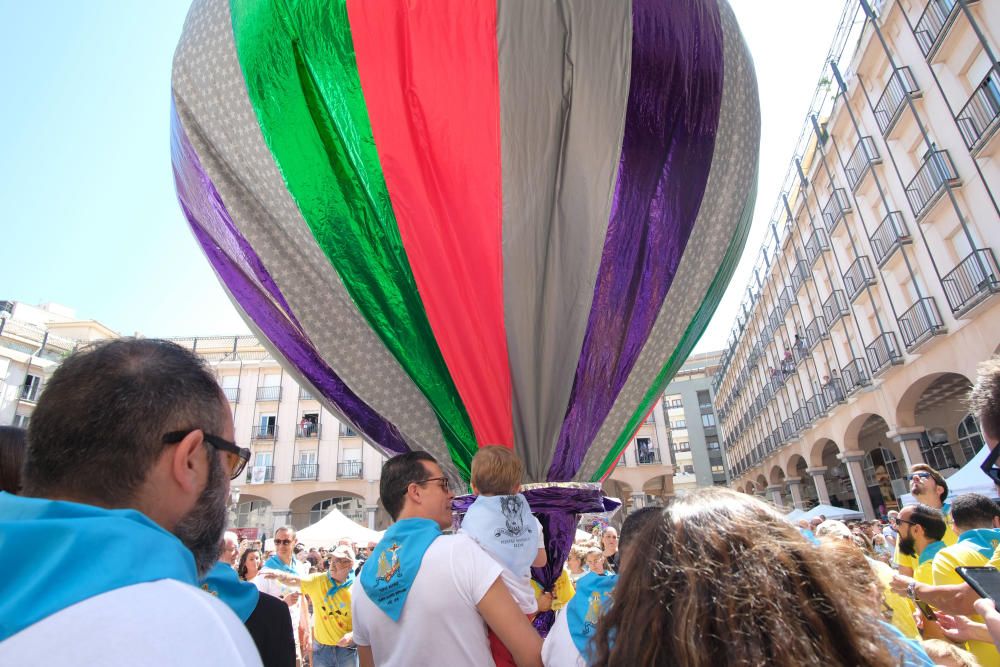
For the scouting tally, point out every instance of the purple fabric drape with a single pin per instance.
(246, 278)
(671, 121)
(557, 508)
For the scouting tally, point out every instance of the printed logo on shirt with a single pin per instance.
(389, 567)
(511, 507)
(593, 614)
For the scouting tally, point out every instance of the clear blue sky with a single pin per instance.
(89, 215)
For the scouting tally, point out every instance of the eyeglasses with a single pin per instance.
(235, 455)
(989, 463)
(911, 523)
(921, 475)
(283, 541)
(445, 484)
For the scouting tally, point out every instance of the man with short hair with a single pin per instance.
(126, 488)
(977, 523)
(929, 488)
(424, 596)
(284, 561)
(889, 531)
(230, 548)
(921, 528)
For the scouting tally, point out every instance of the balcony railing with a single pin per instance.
(889, 237)
(785, 300)
(890, 104)
(860, 163)
(974, 279)
(921, 321)
(232, 394)
(788, 430)
(264, 432)
(816, 407)
(347, 431)
(349, 470)
(816, 331)
(260, 474)
(937, 16)
(801, 418)
(834, 392)
(936, 171)
(835, 209)
(855, 375)
(980, 116)
(269, 393)
(649, 457)
(815, 246)
(305, 471)
(305, 395)
(307, 430)
(835, 307)
(800, 274)
(30, 393)
(883, 352)
(858, 276)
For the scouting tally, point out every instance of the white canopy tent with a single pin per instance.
(334, 527)
(831, 512)
(967, 479)
(795, 515)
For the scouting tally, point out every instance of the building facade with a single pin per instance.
(873, 296)
(677, 448)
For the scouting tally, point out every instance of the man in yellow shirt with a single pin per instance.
(976, 521)
(920, 531)
(929, 488)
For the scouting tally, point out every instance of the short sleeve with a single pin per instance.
(361, 637)
(473, 569)
(541, 534)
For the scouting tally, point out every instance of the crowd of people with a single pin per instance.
(113, 511)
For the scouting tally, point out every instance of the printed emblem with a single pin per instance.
(388, 567)
(511, 507)
(593, 614)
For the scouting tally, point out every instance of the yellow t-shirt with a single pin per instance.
(331, 614)
(562, 592)
(965, 554)
(949, 538)
(902, 608)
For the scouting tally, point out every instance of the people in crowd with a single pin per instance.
(929, 488)
(13, 441)
(727, 581)
(920, 538)
(595, 561)
(609, 546)
(284, 561)
(890, 531)
(250, 563)
(230, 548)
(424, 596)
(575, 562)
(946, 654)
(127, 469)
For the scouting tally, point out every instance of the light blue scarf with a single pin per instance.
(983, 540)
(276, 563)
(80, 551)
(506, 529)
(930, 551)
(334, 586)
(389, 572)
(240, 596)
(584, 610)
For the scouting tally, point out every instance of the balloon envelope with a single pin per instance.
(463, 222)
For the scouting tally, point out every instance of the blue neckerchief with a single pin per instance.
(902, 647)
(983, 540)
(276, 563)
(809, 535)
(505, 528)
(585, 608)
(45, 540)
(240, 596)
(391, 568)
(930, 551)
(334, 586)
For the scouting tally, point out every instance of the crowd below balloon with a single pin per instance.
(126, 510)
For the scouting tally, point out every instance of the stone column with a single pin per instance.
(371, 509)
(909, 439)
(853, 459)
(819, 480)
(775, 492)
(795, 487)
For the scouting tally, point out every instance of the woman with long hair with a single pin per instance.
(249, 564)
(720, 578)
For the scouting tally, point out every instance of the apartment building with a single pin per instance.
(873, 296)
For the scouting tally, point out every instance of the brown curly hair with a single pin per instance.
(722, 579)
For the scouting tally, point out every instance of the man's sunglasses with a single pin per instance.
(988, 465)
(236, 456)
(445, 484)
(283, 541)
(921, 475)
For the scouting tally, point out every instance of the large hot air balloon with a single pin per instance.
(472, 222)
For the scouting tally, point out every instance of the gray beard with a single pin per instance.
(202, 528)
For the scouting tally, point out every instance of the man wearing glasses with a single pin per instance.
(424, 596)
(929, 488)
(126, 488)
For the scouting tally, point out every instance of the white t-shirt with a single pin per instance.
(153, 624)
(558, 649)
(440, 624)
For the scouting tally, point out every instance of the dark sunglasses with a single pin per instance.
(236, 456)
(989, 463)
(283, 541)
(445, 484)
(921, 475)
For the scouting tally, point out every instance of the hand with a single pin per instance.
(346, 640)
(270, 575)
(291, 599)
(900, 583)
(545, 602)
(955, 628)
(984, 607)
